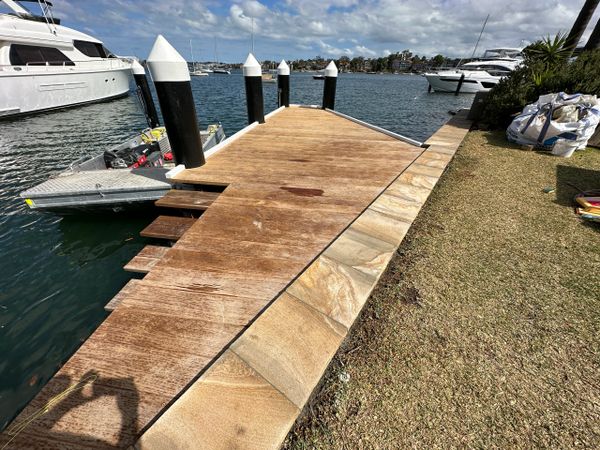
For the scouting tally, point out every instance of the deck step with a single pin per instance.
(146, 259)
(168, 227)
(181, 199)
(124, 292)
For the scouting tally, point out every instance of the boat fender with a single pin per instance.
(154, 135)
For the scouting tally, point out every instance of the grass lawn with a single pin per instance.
(485, 330)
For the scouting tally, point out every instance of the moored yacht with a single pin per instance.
(481, 75)
(221, 70)
(195, 70)
(45, 66)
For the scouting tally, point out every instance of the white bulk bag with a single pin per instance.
(558, 122)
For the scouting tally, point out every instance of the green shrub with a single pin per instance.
(545, 70)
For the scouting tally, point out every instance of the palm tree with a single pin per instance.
(580, 25)
(551, 52)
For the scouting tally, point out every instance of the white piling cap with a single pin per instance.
(137, 68)
(283, 68)
(331, 70)
(165, 63)
(251, 67)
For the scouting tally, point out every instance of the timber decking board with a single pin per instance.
(126, 290)
(146, 259)
(168, 227)
(286, 200)
(184, 199)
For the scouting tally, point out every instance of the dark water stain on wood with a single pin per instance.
(303, 192)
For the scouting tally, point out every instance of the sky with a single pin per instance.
(293, 29)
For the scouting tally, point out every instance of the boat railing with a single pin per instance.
(74, 65)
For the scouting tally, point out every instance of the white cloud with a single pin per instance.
(364, 51)
(303, 28)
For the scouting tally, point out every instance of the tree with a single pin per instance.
(357, 64)
(438, 60)
(551, 52)
(343, 63)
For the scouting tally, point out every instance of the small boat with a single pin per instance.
(269, 78)
(318, 77)
(477, 76)
(222, 71)
(129, 174)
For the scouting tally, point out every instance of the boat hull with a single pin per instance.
(38, 91)
(441, 82)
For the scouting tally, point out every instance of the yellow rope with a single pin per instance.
(18, 428)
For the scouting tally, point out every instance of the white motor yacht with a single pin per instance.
(45, 66)
(481, 75)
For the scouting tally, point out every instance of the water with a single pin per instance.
(59, 272)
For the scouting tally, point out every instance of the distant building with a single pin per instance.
(399, 65)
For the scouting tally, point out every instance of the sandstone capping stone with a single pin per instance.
(362, 252)
(219, 411)
(335, 289)
(381, 226)
(290, 345)
(402, 188)
(398, 207)
(422, 169)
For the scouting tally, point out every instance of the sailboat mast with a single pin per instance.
(216, 56)
(480, 34)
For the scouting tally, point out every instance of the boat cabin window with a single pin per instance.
(108, 53)
(490, 68)
(91, 49)
(22, 55)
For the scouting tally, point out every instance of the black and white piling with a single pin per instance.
(143, 89)
(461, 80)
(331, 73)
(283, 84)
(594, 41)
(171, 77)
(254, 90)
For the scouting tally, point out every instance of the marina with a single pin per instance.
(194, 260)
(262, 196)
(73, 294)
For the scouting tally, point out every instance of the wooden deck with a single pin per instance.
(197, 200)
(294, 184)
(146, 259)
(170, 228)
